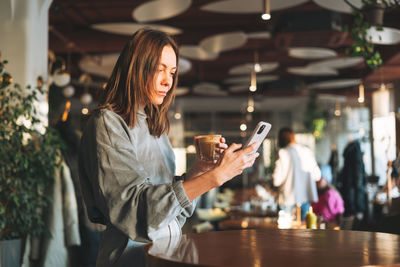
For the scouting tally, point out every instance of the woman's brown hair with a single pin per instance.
(132, 81)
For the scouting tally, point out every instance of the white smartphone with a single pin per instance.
(258, 135)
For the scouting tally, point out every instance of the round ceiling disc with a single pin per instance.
(223, 42)
(335, 84)
(247, 79)
(311, 52)
(181, 91)
(249, 6)
(196, 52)
(129, 28)
(259, 35)
(184, 65)
(337, 63)
(206, 88)
(249, 67)
(101, 65)
(338, 5)
(160, 10)
(310, 71)
(388, 36)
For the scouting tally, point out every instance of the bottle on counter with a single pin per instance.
(321, 223)
(311, 219)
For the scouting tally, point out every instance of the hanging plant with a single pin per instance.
(315, 117)
(370, 15)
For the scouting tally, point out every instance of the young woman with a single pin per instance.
(126, 161)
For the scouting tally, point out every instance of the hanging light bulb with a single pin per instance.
(267, 13)
(68, 91)
(61, 77)
(243, 127)
(361, 93)
(178, 115)
(257, 66)
(253, 82)
(250, 105)
(337, 109)
(191, 149)
(86, 99)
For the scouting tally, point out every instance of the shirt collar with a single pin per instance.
(141, 113)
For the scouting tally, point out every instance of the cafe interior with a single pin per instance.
(326, 69)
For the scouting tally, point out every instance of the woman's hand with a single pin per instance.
(234, 161)
(201, 166)
(231, 163)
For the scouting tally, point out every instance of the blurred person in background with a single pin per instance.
(295, 173)
(352, 182)
(330, 204)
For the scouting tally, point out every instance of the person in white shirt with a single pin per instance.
(295, 173)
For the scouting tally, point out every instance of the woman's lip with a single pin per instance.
(162, 93)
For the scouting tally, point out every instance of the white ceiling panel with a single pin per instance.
(337, 63)
(388, 36)
(129, 28)
(310, 71)
(247, 79)
(160, 10)
(196, 52)
(335, 84)
(223, 42)
(249, 6)
(249, 67)
(311, 52)
(206, 88)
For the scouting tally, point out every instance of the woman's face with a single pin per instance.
(164, 76)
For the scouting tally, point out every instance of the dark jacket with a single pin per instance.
(352, 180)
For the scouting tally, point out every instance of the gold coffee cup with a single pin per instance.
(208, 145)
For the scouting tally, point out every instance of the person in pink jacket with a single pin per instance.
(330, 204)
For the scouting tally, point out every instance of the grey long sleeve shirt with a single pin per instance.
(127, 180)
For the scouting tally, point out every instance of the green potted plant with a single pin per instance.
(370, 15)
(315, 117)
(28, 160)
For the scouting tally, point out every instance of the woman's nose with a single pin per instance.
(166, 79)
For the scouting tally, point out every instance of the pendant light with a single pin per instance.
(361, 93)
(267, 12)
(253, 82)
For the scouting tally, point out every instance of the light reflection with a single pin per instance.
(191, 149)
(366, 255)
(266, 16)
(178, 115)
(250, 109)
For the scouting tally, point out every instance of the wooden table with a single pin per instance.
(248, 223)
(268, 247)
